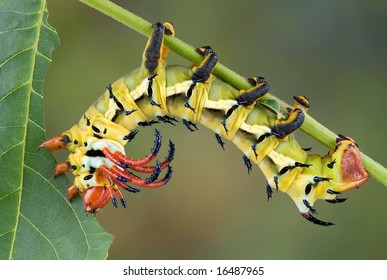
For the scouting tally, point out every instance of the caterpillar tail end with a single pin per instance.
(349, 173)
(353, 172)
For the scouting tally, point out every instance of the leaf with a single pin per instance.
(36, 219)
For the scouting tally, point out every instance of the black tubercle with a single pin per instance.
(316, 221)
(331, 164)
(296, 164)
(146, 123)
(131, 135)
(225, 126)
(307, 204)
(87, 120)
(167, 119)
(219, 140)
(269, 191)
(130, 112)
(153, 103)
(336, 200)
(186, 104)
(248, 164)
(332, 191)
(188, 125)
(254, 148)
(275, 179)
(171, 152)
(318, 179)
(112, 96)
(299, 164)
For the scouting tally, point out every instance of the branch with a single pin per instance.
(310, 126)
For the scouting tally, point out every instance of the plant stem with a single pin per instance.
(310, 126)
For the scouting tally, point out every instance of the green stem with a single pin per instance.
(310, 126)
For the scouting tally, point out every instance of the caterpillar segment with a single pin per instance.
(159, 93)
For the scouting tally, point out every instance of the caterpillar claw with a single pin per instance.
(155, 173)
(131, 135)
(122, 160)
(123, 202)
(188, 125)
(114, 202)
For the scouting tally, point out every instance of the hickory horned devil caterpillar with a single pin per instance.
(155, 93)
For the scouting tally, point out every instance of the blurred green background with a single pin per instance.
(334, 52)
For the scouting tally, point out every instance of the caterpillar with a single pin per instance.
(159, 93)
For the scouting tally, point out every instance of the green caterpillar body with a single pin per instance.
(156, 93)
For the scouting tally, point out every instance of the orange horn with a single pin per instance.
(61, 168)
(56, 143)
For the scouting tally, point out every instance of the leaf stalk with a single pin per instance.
(310, 125)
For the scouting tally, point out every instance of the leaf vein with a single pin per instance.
(8, 194)
(10, 148)
(17, 29)
(41, 128)
(65, 199)
(34, 47)
(13, 90)
(41, 233)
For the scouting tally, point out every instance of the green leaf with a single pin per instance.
(36, 219)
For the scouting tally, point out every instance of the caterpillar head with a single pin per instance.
(96, 190)
(95, 198)
(315, 183)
